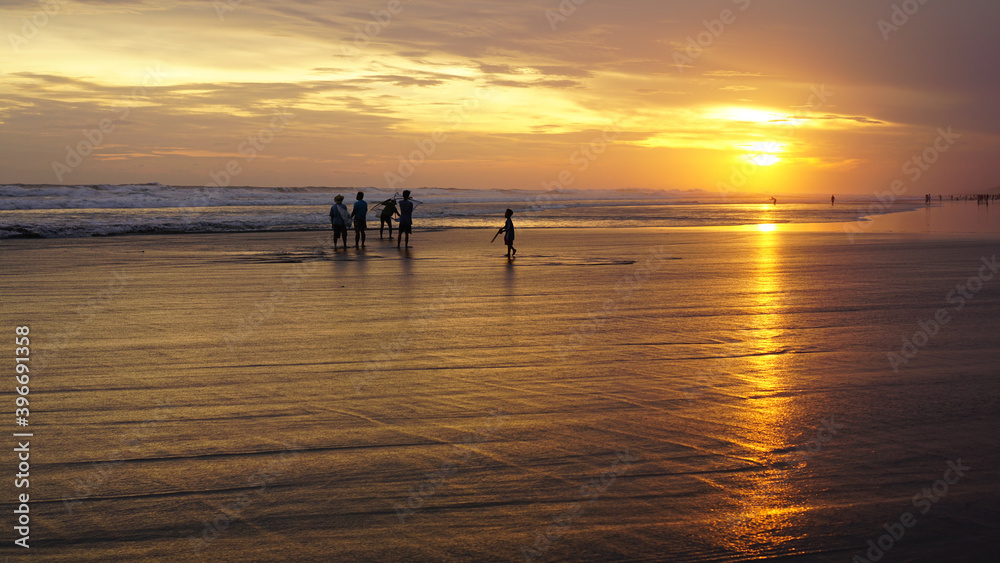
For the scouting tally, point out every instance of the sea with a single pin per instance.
(49, 211)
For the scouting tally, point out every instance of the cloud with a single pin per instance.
(732, 74)
(542, 83)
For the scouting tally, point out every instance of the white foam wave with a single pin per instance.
(151, 196)
(101, 210)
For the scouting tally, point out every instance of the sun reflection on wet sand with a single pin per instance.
(764, 506)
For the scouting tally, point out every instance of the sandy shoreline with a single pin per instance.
(619, 394)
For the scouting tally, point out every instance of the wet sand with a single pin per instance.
(625, 394)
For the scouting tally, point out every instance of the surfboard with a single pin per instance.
(346, 215)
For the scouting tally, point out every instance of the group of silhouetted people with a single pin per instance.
(340, 219)
(982, 199)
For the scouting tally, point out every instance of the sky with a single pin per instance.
(776, 96)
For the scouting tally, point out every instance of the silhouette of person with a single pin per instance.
(833, 199)
(338, 220)
(385, 218)
(774, 201)
(508, 234)
(405, 219)
(358, 213)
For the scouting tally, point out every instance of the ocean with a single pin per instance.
(80, 211)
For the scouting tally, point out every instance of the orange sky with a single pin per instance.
(777, 96)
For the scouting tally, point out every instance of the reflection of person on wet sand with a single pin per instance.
(405, 219)
(508, 230)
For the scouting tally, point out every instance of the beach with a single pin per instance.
(753, 313)
(630, 394)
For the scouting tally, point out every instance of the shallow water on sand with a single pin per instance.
(616, 394)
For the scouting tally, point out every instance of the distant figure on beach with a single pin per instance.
(405, 219)
(339, 217)
(385, 218)
(508, 234)
(774, 200)
(927, 199)
(833, 199)
(359, 213)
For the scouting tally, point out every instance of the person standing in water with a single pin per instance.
(405, 219)
(359, 213)
(338, 220)
(833, 199)
(508, 234)
(385, 218)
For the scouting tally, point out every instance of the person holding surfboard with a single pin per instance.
(339, 218)
(405, 219)
(385, 217)
(508, 237)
